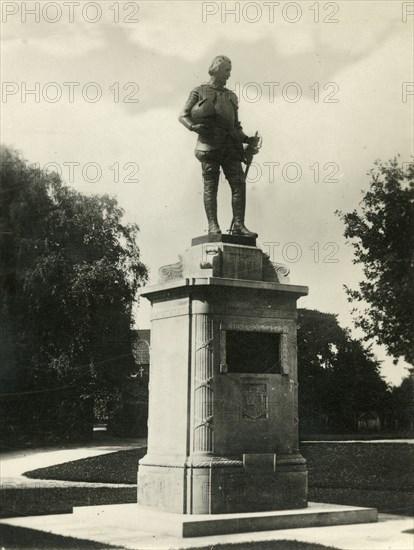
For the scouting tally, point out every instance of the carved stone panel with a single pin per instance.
(254, 401)
(171, 272)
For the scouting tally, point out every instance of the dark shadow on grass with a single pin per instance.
(271, 545)
(31, 539)
(22, 538)
(118, 467)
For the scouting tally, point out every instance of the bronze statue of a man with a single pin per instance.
(211, 112)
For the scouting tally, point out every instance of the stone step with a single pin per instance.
(151, 520)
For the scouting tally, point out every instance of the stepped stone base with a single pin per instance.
(138, 517)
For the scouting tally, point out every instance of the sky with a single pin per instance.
(93, 90)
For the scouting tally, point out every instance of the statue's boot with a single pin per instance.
(239, 209)
(210, 206)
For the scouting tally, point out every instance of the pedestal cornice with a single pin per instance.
(175, 286)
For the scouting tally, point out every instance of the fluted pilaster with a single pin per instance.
(203, 377)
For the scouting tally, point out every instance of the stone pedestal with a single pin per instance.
(223, 424)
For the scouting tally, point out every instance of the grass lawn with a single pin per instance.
(379, 475)
(12, 537)
(360, 465)
(119, 467)
(361, 436)
(20, 538)
(269, 545)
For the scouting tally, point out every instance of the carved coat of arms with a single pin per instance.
(254, 401)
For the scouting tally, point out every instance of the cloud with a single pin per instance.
(168, 53)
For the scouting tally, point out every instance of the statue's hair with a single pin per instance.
(217, 61)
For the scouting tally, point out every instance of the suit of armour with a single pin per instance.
(220, 145)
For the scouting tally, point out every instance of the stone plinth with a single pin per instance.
(140, 518)
(223, 425)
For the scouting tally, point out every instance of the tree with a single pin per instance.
(402, 404)
(382, 234)
(338, 378)
(70, 276)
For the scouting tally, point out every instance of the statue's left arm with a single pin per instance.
(237, 125)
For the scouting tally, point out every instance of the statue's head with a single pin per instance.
(220, 67)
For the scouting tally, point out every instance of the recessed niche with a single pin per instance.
(253, 352)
